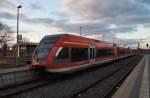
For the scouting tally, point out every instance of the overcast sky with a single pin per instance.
(119, 21)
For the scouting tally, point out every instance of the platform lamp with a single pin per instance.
(18, 54)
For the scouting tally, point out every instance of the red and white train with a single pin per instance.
(63, 53)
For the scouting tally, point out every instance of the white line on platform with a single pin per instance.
(144, 90)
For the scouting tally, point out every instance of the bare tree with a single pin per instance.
(5, 34)
(4, 49)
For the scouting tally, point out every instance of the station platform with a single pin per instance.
(21, 68)
(137, 84)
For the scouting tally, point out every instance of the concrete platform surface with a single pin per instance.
(21, 68)
(137, 83)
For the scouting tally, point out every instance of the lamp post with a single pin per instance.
(103, 36)
(80, 30)
(18, 55)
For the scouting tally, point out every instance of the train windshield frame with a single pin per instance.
(45, 46)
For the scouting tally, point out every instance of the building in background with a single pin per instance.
(26, 50)
(8, 54)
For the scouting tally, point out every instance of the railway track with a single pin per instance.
(103, 75)
(13, 89)
(16, 88)
(108, 84)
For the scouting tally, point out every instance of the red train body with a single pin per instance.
(67, 53)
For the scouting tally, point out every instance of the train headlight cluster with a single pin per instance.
(41, 61)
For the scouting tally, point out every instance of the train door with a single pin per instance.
(92, 52)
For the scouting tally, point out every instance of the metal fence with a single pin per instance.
(13, 61)
(9, 56)
(10, 59)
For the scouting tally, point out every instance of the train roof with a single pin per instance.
(58, 36)
(62, 35)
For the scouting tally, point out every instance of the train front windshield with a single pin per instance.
(45, 46)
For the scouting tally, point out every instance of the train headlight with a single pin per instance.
(42, 61)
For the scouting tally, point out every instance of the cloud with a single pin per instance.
(123, 29)
(92, 28)
(104, 9)
(36, 6)
(96, 17)
(7, 4)
(7, 15)
(120, 12)
(106, 17)
(24, 18)
(39, 20)
(130, 42)
(145, 1)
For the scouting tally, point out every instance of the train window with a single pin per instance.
(103, 52)
(79, 54)
(122, 52)
(91, 53)
(50, 39)
(45, 46)
(43, 51)
(62, 55)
